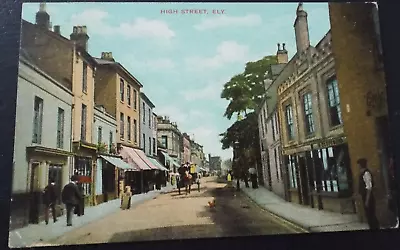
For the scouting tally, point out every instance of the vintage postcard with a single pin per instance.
(156, 121)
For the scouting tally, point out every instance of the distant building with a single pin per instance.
(215, 162)
(186, 146)
(170, 138)
(155, 134)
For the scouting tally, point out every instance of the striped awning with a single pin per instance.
(144, 158)
(131, 157)
(119, 163)
(169, 158)
(158, 164)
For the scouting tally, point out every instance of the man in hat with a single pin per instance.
(49, 201)
(71, 197)
(366, 184)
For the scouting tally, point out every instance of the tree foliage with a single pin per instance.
(246, 91)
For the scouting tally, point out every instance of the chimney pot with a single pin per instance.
(283, 46)
(75, 30)
(57, 29)
(84, 29)
(279, 46)
(42, 7)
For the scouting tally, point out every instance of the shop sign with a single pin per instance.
(84, 179)
(331, 142)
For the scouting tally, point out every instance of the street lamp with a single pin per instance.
(236, 162)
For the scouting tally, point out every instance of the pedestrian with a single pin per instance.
(366, 185)
(71, 197)
(49, 201)
(198, 182)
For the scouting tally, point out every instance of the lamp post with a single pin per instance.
(236, 162)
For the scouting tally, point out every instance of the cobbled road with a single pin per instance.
(174, 216)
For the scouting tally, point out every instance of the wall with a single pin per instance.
(358, 73)
(31, 84)
(128, 110)
(108, 125)
(105, 89)
(80, 97)
(146, 122)
(50, 52)
(154, 131)
(277, 179)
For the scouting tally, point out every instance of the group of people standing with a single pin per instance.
(71, 196)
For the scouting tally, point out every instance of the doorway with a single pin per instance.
(55, 174)
(34, 193)
(304, 181)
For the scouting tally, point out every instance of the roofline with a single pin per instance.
(44, 74)
(119, 66)
(151, 104)
(129, 74)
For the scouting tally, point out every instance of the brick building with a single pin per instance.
(361, 81)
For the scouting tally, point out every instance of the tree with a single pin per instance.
(246, 91)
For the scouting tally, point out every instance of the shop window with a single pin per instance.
(308, 113)
(292, 170)
(335, 112)
(332, 169)
(289, 122)
(83, 168)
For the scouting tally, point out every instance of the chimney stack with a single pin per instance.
(107, 56)
(301, 29)
(282, 54)
(42, 17)
(57, 29)
(80, 36)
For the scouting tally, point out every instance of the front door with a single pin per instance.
(34, 194)
(305, 196)
(55, 174)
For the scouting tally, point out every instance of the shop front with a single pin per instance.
(320, 177)
(45, 165)
(84, 169)
(110, 172)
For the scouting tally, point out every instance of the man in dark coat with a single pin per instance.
(71, 197)
(366, 184)
(49, 201)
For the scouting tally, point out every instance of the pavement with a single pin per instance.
(312, 220)
(40, 234)
(174, 216)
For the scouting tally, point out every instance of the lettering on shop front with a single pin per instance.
(330, 143)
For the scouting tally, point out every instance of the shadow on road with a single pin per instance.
(168, 233)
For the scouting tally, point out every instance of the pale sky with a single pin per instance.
(183, 60)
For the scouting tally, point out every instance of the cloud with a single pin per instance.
(211, 91)
(249, 20)
(97, 22)
(226, 52)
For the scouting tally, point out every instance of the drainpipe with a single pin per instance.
(72, 158)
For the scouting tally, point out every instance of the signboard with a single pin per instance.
(84, 179)
(331, 142)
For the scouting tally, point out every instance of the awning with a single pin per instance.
(119, 163)
(169, 158)
(159, 165)
(129, 156)
(144, 158)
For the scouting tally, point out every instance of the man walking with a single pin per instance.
(49, 201)
(71, 197)
(366, 184)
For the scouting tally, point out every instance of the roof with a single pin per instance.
(146, 99)
(61, 38)
(118, 66)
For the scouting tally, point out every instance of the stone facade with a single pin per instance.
(170, 138)
(313, 142)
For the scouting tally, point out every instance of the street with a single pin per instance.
(174, 216)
